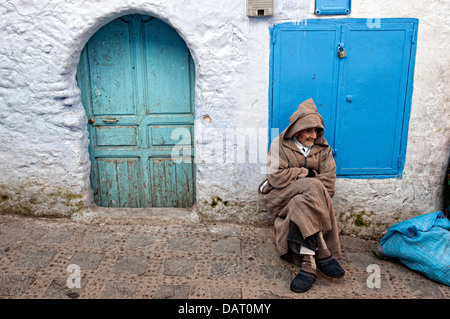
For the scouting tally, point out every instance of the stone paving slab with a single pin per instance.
(43, 258)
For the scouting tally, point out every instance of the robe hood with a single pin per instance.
(306, 117)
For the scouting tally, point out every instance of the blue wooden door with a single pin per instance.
(364, 97)
(136, 76)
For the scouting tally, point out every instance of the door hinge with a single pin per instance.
(274, 37)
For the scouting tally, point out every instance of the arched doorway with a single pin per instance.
(136, 77)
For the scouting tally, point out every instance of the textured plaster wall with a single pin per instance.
(44, 159)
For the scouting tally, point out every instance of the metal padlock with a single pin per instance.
(341, 52)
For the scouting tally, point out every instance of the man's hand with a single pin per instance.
(311, 172)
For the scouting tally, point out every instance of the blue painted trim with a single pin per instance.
(408, 97)
(271, 70)
(295, 25)
(331, 7)
(368, 176)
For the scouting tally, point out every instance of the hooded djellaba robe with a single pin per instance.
(291, 196)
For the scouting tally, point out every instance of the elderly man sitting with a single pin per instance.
(298, 192)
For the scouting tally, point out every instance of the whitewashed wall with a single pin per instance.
(44, 159)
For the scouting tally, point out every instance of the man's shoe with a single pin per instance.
(303, 281)
(330, 267)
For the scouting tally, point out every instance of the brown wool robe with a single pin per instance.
(290, 195)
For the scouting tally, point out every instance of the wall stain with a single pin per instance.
(216, 200)
(29, 200)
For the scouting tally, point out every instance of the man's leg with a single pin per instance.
(305, 278)
(305, 248)
(322, 249)
(326, 263)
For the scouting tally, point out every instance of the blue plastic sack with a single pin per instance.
(421, 243)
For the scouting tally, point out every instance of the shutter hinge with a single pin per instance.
(412, 36)
(274, 37)
(399, 161)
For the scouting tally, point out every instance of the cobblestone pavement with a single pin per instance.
(164, 257)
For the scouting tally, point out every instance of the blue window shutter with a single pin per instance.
(364, 98)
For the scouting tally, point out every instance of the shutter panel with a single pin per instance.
(372, 100)
(305, 66)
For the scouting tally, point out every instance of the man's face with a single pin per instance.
(307, 137)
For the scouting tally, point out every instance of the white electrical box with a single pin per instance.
(259, 8)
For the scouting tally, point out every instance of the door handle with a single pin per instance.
(112, 121)
(349, 98)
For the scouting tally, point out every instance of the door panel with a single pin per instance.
(119, 180)
(117, 135)
(111, 70)
(169, 176)
(136, 78)
(167, 66)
